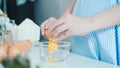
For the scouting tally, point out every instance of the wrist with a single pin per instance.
(91, 24)
(64, 15)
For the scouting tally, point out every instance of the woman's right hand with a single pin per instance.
(47, 24)
(66, 26)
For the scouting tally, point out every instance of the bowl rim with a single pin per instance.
(66, 42)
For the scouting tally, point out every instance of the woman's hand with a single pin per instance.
(69, 25)
(46, 25)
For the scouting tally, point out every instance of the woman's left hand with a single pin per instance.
(70, 25)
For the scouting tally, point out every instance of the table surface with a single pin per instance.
(72, 61)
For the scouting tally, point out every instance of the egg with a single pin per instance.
(12, 43)
(14, 51)
(6, 44)
(23, 45)
(3, 52)
(26, 44)
(20, 48)
(52, 45)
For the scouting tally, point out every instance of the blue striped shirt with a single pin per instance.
(100, 45)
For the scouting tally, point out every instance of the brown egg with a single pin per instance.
(26, 44)
(3, 48)
(3, 52)
(29, 42)
(23, 46)
(9, 44)
(12, 43)
(19, 48)
(14, 51)
(6, 44)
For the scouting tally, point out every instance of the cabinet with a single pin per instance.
(20, 12)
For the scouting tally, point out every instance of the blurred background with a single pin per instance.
(36, 10)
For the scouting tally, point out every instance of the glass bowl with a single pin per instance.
(60, 54)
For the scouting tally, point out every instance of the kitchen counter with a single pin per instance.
(73, 61)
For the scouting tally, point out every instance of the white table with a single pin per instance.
(73, 61)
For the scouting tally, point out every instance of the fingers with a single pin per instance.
(43, 27)
(63, 35)
(50, 22)
(60, 30)
(55, 25)
(46, 24)
(58, 27)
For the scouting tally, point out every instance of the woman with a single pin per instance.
(92, 25)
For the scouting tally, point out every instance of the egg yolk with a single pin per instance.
(52, 45)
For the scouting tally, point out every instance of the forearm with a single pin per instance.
(106, 18)
(69, 9)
